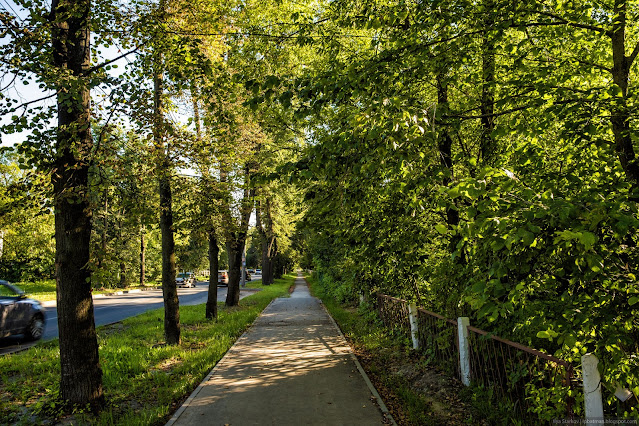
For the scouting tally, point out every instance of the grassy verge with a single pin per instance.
(144, 380)
(44, 290)
(415, 392)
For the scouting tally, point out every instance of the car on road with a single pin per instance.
(222, 277)
(258, 272)
(185, 279)
(19, 314)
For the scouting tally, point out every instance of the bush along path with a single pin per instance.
(292, 367)
(145, 381)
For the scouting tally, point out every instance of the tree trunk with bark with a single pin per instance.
(236, 237)
(488, 149)
(445, 144)
(105, 227)
(264, 223)
(80, 372)
(123, 277)
(142, 258)
(214, 252)
(273, 271)
(235, 248)
(263, 242)
(620, 117)
(169, 286)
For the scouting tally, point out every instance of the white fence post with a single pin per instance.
(592, 387)
(412, 317)
(464, 349)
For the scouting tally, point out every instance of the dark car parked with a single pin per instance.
(19, 314)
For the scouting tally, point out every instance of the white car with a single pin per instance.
(258, 272)
(185, 279)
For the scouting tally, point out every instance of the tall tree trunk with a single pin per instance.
(445, 144)
(169, 286)
(123, 277)
(80, 372)
(236, 237)
(105, 226)
(235, 248)
(488, 150)
(214, 252)
(266, 264)
(142, 258)
(270, 248)
(272, 253)
(263, 242)
(620, 117)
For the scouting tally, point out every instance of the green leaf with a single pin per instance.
(544, 335)
(633, 300)
(442, 229)
(587, 239)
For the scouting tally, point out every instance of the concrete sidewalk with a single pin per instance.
(292, 367)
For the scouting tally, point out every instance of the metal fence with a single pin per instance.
(440, 340)
(533, 383)
(394, 313)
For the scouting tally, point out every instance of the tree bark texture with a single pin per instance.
(235, 248)
(169, 286)
(105, 224)
(267, 239)
(488, 150)
(263, 242)
(214, 252)
(445, 144)
(142, 257)
(123, 277)
(80, 372)
(620, 117)
(235, 235)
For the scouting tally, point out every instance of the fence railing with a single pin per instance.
(532, 382)
(439, 337)
(394, 313)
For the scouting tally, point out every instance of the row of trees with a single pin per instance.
(480, 158)
(116, 146)
(125, 243)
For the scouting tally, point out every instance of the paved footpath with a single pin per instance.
(292, 367)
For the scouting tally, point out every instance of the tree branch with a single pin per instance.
(633, 55)
(25, 104)
(104, 64)
(576, 24)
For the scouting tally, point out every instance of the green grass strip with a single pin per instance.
(144, 380)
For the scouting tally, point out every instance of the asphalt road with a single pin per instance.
(110, 309)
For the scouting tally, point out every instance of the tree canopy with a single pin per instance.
(476, 156)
